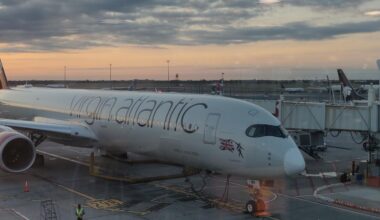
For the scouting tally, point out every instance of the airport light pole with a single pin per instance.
(168, 62)
(64, 76)
(378, 66)
(111, 76)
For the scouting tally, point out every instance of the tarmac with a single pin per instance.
(66, 181)
(359, 196)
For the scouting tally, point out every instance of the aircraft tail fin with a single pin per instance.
(3, 77)
(378, 64)
(344, 80)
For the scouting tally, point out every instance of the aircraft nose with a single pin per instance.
(294, 162)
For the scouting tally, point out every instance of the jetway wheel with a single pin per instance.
(250, 207)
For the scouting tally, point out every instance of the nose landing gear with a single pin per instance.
(250, 207)
(256, 206)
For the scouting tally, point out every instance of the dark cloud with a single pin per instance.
(295, 31)
(327, 4)
(39, 25)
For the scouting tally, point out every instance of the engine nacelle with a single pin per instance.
(17, 152)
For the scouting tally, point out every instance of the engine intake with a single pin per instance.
(17, 152)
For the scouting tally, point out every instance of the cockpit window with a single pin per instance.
(262, 130)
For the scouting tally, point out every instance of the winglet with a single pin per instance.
(3, 77)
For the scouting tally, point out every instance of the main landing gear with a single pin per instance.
(226, 189)
(204, 176)
(199, 191)
(37, 139)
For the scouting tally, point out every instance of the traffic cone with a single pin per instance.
(261, 209)
(26, 186)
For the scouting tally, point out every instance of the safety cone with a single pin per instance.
(26, 186)
(261, 209)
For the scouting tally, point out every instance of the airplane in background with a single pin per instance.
(292, 90)
(346, 84)
(56, 85)
(216, 133)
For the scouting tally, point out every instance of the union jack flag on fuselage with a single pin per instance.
(231, 146)
(227, 144)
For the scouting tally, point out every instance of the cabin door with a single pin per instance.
(210, 128)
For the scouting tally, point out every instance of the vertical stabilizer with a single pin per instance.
(378, 64)
(343, 79)
(3, 78)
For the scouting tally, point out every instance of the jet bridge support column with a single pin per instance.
(373, 165)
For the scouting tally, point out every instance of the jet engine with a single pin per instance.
(17, 152)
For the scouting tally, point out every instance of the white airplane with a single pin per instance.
(292, 90)
(56, 85)
(364, 87)
(215, 133)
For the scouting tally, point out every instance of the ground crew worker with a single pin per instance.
(79, 212)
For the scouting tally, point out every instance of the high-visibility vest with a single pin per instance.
(80, 212)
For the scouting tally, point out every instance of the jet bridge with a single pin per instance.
(313, 116)
(319, 118)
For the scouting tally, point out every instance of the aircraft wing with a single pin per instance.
(57, 130)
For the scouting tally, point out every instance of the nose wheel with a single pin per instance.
(256, 206)
(250, 207)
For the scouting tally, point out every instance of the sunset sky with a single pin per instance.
(252, 39)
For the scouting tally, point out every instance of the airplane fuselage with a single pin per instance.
(203, 131)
